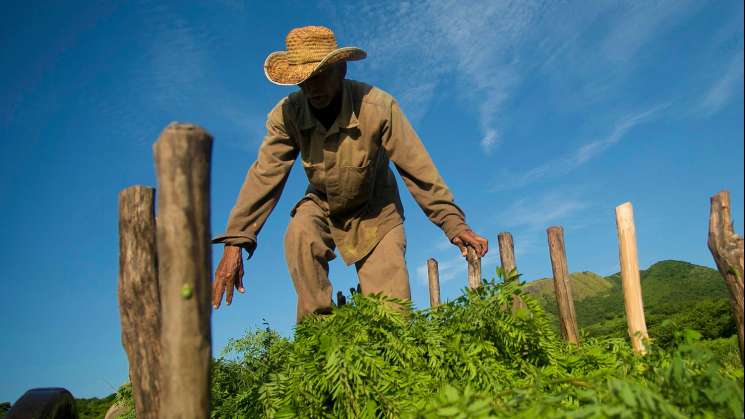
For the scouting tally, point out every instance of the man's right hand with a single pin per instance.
(229, 275)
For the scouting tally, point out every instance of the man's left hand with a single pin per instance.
(470, 239)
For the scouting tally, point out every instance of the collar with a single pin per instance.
(347, 118)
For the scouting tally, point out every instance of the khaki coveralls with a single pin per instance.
(352, 201)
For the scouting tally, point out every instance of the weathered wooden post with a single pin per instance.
(506, 251)
(507, 258)
(632, 291)
(434, 283)
(474, 268)
(727, 249)
(562, 285)
(139, 296)
(182, 160)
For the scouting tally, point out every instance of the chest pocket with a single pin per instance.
(357, 181)
(358, 164)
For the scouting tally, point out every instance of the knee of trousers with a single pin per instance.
(384, 269)
(303, 238)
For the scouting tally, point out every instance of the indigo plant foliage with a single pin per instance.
(474, 357)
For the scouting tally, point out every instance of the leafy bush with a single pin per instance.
(94, 407)
(470, 358)
(124, 397)
(677, 295)
(712, 318)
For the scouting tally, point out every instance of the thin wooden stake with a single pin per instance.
(506, 252)
(507, 257)
(632, 291)
(434, 283)
(562, 285)
(727, 249)
(139, 296)
(474, 268)
(182, 160)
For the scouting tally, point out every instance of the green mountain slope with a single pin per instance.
(584, 285)
(687, 295)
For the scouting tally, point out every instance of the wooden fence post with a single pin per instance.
(632, 292)
(182, 160)
(727, 249)
(139, 296)
(507, 258)
(562, 285)
(506, 251)
(474, 268)
(434, 283)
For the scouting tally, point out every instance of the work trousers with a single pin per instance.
(309, 247)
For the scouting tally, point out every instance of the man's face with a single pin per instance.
(323, 87)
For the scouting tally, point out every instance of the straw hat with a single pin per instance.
(309, 50)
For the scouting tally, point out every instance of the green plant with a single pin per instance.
(473, 357)
(93, 407)
(124, 397)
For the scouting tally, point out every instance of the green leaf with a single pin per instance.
(449, 411)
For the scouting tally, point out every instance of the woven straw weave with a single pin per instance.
(309, 50)
(310, 44)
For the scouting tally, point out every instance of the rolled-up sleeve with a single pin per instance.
(406, 151)
(263, 184)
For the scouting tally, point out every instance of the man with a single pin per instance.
(345, 133)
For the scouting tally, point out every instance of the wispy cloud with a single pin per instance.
(182, 78)
(178, 55)
(526, 219)
(591, 48)
(482, 40)
(578, 157)
(592, 149)
(430, 40)
(249, 128)
(724, 88)
(526, 244)
(491, 47)
(448, 269)
(456, 267)
(537, 213)
(444, 244)
(641, 20)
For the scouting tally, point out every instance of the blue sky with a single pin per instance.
(536, 114)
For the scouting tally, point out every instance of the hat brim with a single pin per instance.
(279, 71)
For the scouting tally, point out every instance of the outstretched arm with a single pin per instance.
(406, 151)
(258, 196)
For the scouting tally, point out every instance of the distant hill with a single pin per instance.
(584, 285)
(688, 295)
